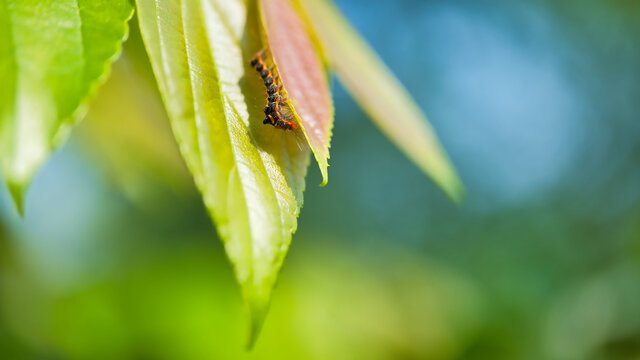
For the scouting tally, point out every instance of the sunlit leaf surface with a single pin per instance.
(53, 55)
(302, 75)
(380, 94)
(251, 175)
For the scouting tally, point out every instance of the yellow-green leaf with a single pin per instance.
(381, 94)
(251, 176)
(302, 74)
(53, 56)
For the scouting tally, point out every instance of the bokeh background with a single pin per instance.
(537, 103)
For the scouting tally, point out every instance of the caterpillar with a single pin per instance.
(275, 98)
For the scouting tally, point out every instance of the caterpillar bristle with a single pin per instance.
(275, 88)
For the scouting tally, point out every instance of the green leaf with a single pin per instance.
(302, 75)
(381, 94)
(53, 56)
(250, 175)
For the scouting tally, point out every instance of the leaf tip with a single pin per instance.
(447, 179)
(323, 164)
(17, 192)
(325, 178)
(257, 310)
(455, 191)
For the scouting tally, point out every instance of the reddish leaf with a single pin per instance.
(302, 74)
